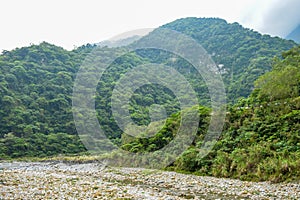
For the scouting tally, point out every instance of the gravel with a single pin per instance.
(56, 180)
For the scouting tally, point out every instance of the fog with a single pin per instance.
(275, 17)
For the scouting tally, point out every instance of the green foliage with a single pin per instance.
(160, 139)
(260, 142)
(284, 80)
(35, 98)
(261, 139)
(39, 145)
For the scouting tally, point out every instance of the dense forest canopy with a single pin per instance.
(261, 138)
(242, 54)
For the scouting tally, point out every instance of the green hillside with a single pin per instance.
(245, 54)
(36, 86)
(261, 137)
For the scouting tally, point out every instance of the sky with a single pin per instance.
(72, 23)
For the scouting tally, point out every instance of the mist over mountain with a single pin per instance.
(120, 42)
(294, 35)
(273, 17)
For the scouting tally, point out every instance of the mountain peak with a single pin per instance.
(245, 54)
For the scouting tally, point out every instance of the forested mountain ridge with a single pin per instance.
(36, 85)
(242, 54)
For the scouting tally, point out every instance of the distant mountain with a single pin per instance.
(120, 42)
(295, 35)
(125, 38)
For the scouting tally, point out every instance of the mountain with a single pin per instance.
(294, 35)
(120, 42)
(244, 54)
(36, 84)
(125, 39)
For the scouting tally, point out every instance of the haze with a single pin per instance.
(74, 23)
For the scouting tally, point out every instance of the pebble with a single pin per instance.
(55, 180)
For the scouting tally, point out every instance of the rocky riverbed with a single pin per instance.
(56, 180)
